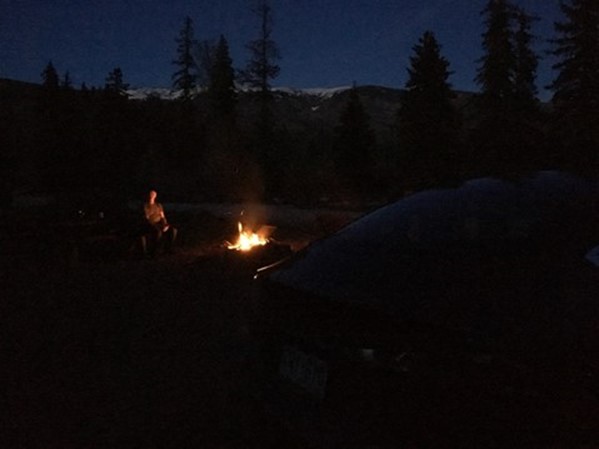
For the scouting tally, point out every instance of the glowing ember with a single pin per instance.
(247, 240)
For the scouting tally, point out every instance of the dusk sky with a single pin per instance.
(323, 43)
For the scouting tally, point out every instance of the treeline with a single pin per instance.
(210, 145)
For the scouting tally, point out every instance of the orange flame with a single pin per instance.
(247, 240)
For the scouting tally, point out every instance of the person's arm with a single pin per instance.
(164, 221)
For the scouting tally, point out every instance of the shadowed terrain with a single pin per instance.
(123, 351)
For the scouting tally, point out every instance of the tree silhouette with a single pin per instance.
(186, 137)
(507, 140)
(221, 87)
(50, 79)
(508, 69)
(262, 67)
(224, 169)
(576, 87)
(66, 81)
(354, 144)
(115, 84)
(185, 78)
(495, 74)
(259, 71)
(428, 123)
(526, 63)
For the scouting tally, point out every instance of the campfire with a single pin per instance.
(252, 249)
(247, 239)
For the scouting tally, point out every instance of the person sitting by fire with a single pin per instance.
(158, 228)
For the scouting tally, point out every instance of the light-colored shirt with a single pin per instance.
(154, 213)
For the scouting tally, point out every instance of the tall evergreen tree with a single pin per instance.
(506, 140)
(115, 84)
(262, 67)
(50, 78)
(260, 70)
(576, 87)
(224, 171)
(428, 123)
(354, 145)
(526, 63)
(495, 74)
(221, 88)
(185, 77)
(185, 80)
(66, 81)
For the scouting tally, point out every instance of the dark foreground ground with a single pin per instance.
(122, 351)
(101, 348)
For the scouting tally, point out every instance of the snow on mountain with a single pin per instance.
(322, 92)
(162, 93)
(165, 93)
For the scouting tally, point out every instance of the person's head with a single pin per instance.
(152, 196)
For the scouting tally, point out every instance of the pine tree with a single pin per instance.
(50, 78)
(354, 145)
(259, 71)
(262, 67)
(223, 166)
(428, 123)
(221, 88)
(526, 63)
(115, 84)
(506, 140)
(576, 87)
(185, 78)
(66, 81)
(495, 74)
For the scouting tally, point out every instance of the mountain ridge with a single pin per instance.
(297, 109)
